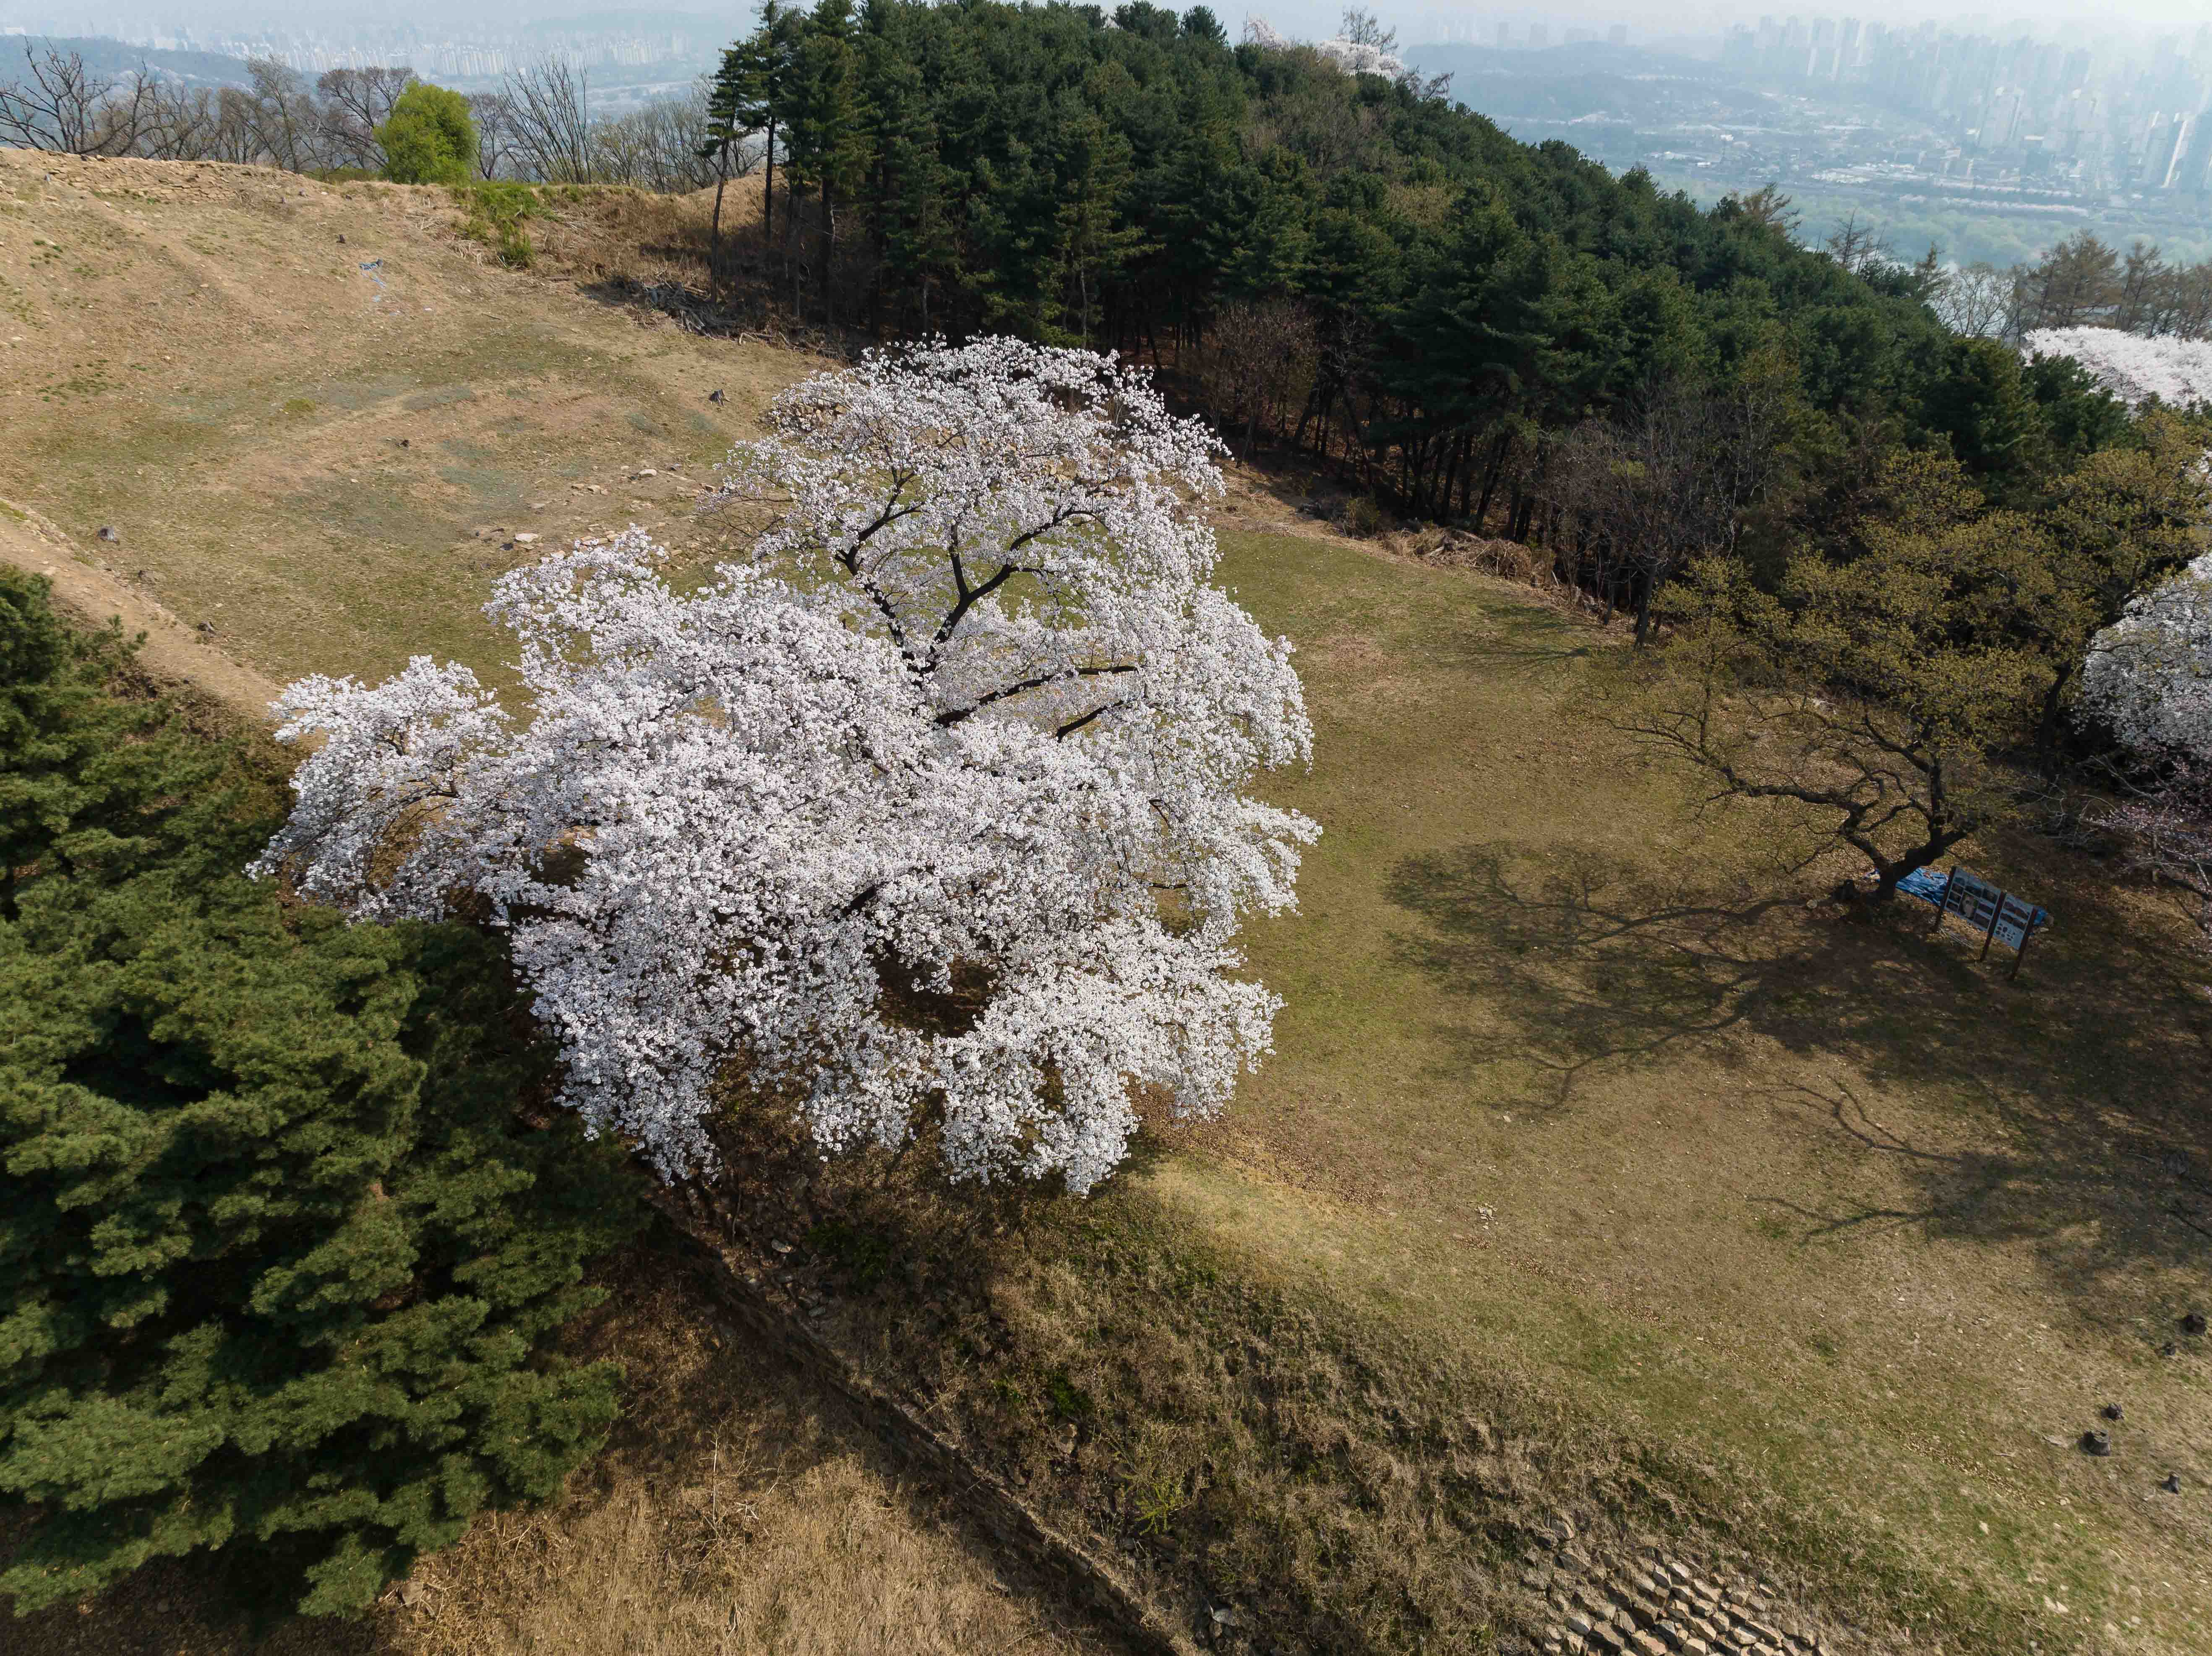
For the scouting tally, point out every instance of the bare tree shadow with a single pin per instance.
(2066, 1112)
(1590, 969)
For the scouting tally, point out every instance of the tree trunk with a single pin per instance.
(1490, 481)
(828, 259)
(2046, 730)
(714, 242)
(768, 194)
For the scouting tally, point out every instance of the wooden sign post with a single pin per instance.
(1997, 914)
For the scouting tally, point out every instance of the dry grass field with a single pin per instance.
(1818, 1238)
(316, 418)
(1869, 1230)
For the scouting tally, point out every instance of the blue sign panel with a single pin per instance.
(1998, 915)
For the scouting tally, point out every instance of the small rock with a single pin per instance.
(2172, 1485)
(2113, 1411)
(647, 472)
(525, 540)
(2095, 1443)
(2193, 1323)
(108, 532)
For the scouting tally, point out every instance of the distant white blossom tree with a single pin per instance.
(2135, 367)
(933, 813)
(2149, 675)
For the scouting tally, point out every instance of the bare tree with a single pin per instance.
(1974, 300)
(659, 146)
(494, 119)
(354, 103)
(548, 104)
(1858, 247)
(283, 118)
(1259, 364)
(181, 122)
(2166, 834)
(236, 137)
(66, 107)
(1674, 481)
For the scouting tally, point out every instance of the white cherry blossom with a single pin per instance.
(934, 812)
(2135, 367)
(2150, 674)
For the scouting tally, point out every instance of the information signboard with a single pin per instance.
(1997, 914)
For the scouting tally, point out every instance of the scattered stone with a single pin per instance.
(2193, 1323)
(647, 472)
(525, 540)
(2113, 1411)
(2096, 1443)
(2172, 1485)
(109, 533)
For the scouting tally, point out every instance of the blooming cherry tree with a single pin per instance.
(933, 812)
(2135, 367)
(2150, 675)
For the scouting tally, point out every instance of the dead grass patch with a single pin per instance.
(729, 1518)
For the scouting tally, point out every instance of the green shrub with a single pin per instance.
(279, 1259)
(1362, 517)
(498, 211)
(429, 138)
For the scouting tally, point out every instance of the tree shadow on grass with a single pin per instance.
(2066, 1109)
(1585, 968)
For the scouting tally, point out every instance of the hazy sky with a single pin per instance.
(1308, 18)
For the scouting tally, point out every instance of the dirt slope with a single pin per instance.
(175, 654)
(316, 418)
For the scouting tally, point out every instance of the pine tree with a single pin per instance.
(278, 1258)
(827, 128)
(907, 182)
(728, 97)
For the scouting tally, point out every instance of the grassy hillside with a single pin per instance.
(1831, 1209)
(315, 416)
(1822, 1240)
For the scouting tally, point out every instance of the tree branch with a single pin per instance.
(1039, 683)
